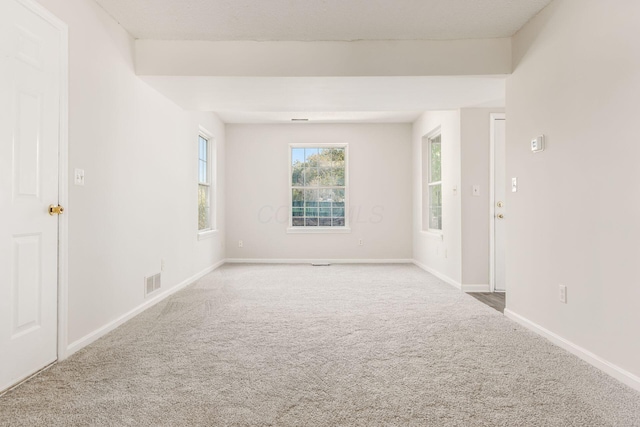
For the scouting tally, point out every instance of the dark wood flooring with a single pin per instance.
(495, 300)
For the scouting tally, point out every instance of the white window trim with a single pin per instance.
(428, 231)
(321, 230)
(211, 150)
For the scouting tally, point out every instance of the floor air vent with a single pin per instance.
(151, 284)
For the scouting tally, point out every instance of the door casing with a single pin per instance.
(492, 199)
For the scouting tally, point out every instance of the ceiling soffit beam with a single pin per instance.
(320, 59)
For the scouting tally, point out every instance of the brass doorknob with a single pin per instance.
(55, 210)
(500, 216)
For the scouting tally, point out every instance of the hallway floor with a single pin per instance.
(495, 300)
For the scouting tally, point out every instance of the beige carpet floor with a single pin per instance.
(345, 345)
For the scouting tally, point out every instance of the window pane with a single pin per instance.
(325, 158)
(325, 222)
(327, 177)
(339, 176)
(311, 198)
(297, 222)
(297, 198)
(311, 156)
(203, 207)
(297, 156)
(326, 195)
(311, 222)
(337, 211)
(202, 171)
(297, 175)
(435, 207)
(435, 162)
(202, 148)
(338, 222)
(311, 178)
(338, 197)
(337, 155)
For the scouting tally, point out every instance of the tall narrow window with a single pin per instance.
(204, 183)
(318, 187)
(433, 183)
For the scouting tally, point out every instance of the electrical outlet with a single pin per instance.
(563, 294)
(514, 184)
(240, 244)
(360, 242)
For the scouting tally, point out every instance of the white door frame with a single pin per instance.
(492, 198)
(63, 185)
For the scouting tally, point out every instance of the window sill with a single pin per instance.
(206, 234)
(433, 235)
(318, 230)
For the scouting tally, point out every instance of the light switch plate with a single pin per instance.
(514, 184)
(78, 177)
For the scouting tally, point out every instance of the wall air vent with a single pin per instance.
(299, 120)
(151, 284)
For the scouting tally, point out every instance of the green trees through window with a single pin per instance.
(318, 187)
(435, 183)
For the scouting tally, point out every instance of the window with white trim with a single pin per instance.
(318, 187)
(432, 179)
(204, 183)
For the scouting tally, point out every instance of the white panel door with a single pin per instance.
(29, 142)
(500, 187)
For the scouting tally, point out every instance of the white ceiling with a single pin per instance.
(307, 20)
(324, 99)
(328, 99)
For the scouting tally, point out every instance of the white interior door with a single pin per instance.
(499, 207)
(29, 143)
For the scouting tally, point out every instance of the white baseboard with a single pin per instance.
(607, 367)
(316, 261)
(100, 332)
(476, 288)
(439, 275)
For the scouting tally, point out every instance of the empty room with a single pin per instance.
(319, 213)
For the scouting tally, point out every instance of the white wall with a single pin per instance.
(139, 152)
(324, 58)
(379, 186)
(574, 219)
(441, 254)
(475, 141)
